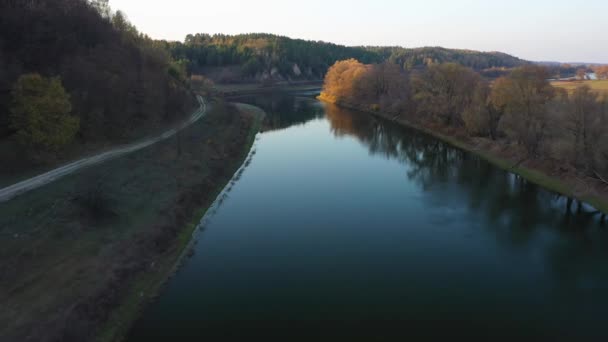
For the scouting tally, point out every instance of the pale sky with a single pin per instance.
(547, 30)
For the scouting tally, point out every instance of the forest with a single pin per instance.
(76, 72)
(267, 57)
(261, 56)
(416, 58)
(520, 114)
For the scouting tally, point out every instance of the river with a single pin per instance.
(343, 226)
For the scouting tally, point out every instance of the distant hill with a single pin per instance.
(261, 57)
(576, 64)
(411, 58)
(266, 57)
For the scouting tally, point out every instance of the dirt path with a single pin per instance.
(50, 176)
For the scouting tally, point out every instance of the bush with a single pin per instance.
(94, 202)
(40, 113)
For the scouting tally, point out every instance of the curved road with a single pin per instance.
(48, 177)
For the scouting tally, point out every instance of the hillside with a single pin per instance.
(267, 58)
(118, 82)
(262, 57)
(410, 58)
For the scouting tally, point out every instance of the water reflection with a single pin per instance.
(432, 162)
(283, 110)
(518, 212)
(351, 228)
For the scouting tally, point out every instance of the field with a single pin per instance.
(90, 248)
(600, 86)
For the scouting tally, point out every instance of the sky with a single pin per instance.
(538, 30)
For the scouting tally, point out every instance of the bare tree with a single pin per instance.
(523, 96)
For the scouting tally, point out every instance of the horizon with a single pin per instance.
(542, 31)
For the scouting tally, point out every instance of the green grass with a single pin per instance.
(17, 168)
(54, 254)
(151, 283)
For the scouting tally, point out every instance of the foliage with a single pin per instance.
(257, 55)
(523, 97)
(40, 113)
(583, 122)
(444, 91)
(478, 117)
(178, 69)
(602, 72)
(102, 7)
(118, 79)
(417, 58)
(377, 87)
(343, 80)
(521, 109)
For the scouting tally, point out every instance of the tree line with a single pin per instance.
(259, 56)
(416, 58)
(601, 72)
(521, 111)
(74, 71)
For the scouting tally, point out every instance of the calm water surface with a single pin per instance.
(347, 227)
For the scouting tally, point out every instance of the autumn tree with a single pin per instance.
(522, 98)
(343, 81)
(40, 113)
(479, 117)
(581, 74)
(390, 87)
(443, 91)
(602, 72)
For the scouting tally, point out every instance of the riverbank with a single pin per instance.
(81, 256)
(148, 285)
(549, 174)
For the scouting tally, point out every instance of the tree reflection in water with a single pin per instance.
(514, 210)
(518, 212)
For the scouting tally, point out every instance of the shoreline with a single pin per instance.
(114, 234)
(535, 175)
(123, 319)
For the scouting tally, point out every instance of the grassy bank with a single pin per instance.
(147, 285)
(17, 168)
(492, 152)
(80, 256)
